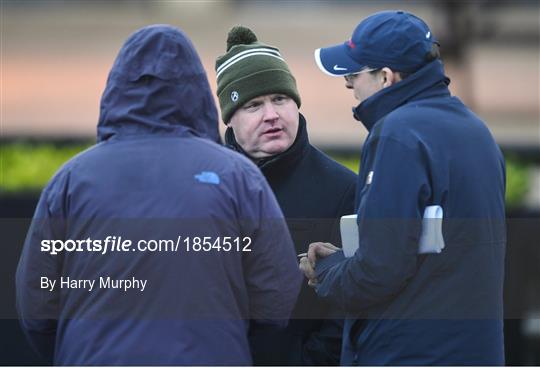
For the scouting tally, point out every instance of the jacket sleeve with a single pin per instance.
(37, 306)
(395, 190)
(270, 269)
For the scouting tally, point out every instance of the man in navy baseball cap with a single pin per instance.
(394, 39)
(425, 148)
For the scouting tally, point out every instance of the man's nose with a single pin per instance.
(348, 84)
(270, 113)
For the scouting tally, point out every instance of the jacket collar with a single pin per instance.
(282, 160)
(427, 82)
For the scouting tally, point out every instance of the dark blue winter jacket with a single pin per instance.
(424, 148)
(157, 173)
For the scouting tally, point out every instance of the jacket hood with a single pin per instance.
(157, 86)
(428, 81)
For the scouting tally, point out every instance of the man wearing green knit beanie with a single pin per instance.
(260, 104)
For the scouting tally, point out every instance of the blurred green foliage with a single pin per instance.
(28, 167)
(517, 181)
(352, 163)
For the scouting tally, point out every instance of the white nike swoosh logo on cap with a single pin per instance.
(337, 68)
(428, 34)
(317, 55)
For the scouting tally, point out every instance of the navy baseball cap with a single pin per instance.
(395, 39)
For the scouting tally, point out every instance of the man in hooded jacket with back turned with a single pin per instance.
(156, 172)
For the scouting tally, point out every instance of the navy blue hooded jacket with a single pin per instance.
(424, 148)
(157, 173)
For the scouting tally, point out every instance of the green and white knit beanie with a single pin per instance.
(250, 69)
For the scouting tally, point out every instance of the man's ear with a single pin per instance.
(389, 77)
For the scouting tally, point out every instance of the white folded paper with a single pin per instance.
(349, 234)
(431, 238)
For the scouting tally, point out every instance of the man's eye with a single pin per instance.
(251, 106)
(280, 99)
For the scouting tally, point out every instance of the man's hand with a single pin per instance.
(316, 251)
